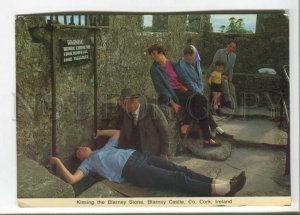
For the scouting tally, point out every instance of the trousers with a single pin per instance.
(205, 122)
(228, 91)
(152, 171)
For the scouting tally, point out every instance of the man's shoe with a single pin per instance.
(238, 177)
(236, 184)
(209, 143)
(224, 135)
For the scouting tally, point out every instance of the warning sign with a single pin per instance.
(75, 50)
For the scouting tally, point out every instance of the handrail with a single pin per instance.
(283, 103)
(285, 110)
(284, 69)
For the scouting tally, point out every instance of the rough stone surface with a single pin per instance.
(262, 167)
(220, 153)
(35, 181)
(100, 190)
(256, 131)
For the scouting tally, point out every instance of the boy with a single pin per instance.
(215, 82)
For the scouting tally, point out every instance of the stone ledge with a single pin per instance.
(100, 190)
(35, 181)
(220, 153)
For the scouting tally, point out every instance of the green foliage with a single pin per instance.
(147, 28)
(235, 26)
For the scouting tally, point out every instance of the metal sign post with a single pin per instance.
(52, 28)
(53, 97)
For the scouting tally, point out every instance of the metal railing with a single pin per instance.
(284, 114)
(79, 19)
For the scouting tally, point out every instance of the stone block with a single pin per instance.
(100, 190)
(35, 181)
(220, 153)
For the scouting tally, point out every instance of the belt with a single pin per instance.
(132, 159)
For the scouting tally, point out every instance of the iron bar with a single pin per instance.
(284, 68)
(284, 109)
(95, 80)
(53, 97)
(53, 81)
(59, 26)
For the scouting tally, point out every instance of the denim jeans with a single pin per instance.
(152, 171)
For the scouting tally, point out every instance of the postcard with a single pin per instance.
(160, 109)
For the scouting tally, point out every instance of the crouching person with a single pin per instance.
(144, 170)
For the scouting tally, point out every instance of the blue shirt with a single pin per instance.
(107, 161)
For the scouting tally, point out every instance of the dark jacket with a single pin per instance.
(153, 128)
(161, 81)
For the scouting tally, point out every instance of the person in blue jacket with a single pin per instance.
(190, 69)
(190, 74)
(171, 90)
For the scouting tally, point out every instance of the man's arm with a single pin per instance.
(115, 134)
(216, 57)
(175, 106)
(157, 82)
(209, 80)
(69, 177)
(161, 124)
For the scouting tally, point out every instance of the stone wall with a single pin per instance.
(33, 90)
(122, 61)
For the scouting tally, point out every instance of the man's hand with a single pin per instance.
(184, 129)
(164, 156)
(175, 106)
(183, 88)
(225, 77)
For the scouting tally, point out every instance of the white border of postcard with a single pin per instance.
(8, 188)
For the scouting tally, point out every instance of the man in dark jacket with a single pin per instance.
(144, 126)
